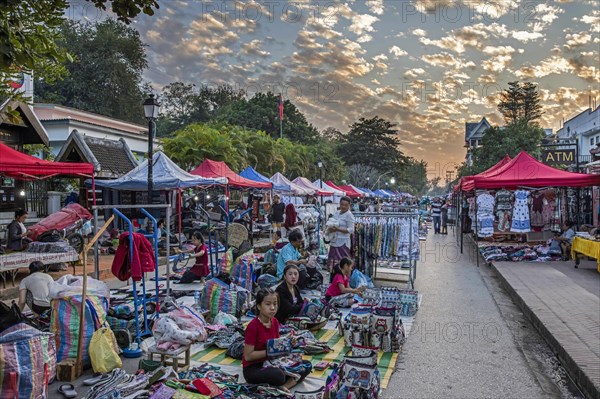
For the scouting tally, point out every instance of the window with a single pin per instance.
(592, 141)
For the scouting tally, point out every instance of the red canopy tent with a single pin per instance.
(466, 179)
(525, 170)
(18, 165)
(350, 192)
(332, 185)
(209, 168)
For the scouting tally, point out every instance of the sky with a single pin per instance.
(427, 66)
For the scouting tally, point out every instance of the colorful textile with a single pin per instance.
(520, 220)
(64, 324)
(125, 266)
(27, 362)
(485, 215)
(586, 247)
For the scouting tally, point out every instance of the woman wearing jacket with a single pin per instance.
(290, 300)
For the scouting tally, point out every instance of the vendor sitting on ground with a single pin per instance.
(290, 300)
(289, 255)
(200, 252)
(34, 290)
(17, 239)
(341, 280)
(566, 239)
(261, 329)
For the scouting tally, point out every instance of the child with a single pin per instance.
(262, 328)
(341, 280)
(200, 269)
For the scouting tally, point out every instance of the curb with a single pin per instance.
(581, 379)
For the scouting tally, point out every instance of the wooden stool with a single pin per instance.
(171, 358)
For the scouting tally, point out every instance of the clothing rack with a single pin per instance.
(409, 212)
(318, 230)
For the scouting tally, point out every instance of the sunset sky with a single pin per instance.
(429, 66)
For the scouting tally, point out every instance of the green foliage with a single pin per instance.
(105, 76)
(29, 31)
(183, 104)
(414, 177)
(373, 142)
(261, 113)
(497, 142)
(240, 147)
(520, 101)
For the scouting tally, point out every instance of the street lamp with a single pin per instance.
(151, 109)
(393, 180)
(320, 165)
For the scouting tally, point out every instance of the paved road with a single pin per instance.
(460, 346)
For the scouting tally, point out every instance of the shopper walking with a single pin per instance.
(436, 213)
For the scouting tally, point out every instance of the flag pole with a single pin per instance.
(280, 109)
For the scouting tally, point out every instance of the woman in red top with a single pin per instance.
(200, 268)
(341, 280)
(262, 328)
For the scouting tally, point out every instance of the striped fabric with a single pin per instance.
(386, 361)
(64, 324)
(27, 362)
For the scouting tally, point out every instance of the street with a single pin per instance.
(469, 340)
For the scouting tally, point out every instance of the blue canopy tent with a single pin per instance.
(381, 193)
(166, 176)
(251, 174)
(366, 190)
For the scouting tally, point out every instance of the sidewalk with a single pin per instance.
(460, 346)
(564, 305)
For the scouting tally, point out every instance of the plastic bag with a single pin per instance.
(358, 279)
(69, 285)
(104, 351)
(224, 319)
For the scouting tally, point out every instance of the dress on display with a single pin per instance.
(485, 215)
(520, 221)
(551, 212)
(504, 204)
(537, 208)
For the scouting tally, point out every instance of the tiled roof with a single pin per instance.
(111, 155)
(469, 128)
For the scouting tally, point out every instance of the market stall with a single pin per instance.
(518, 203)
(307, 184)
(351, 191)
(252, 174)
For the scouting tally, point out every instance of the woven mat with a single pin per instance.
(386, 361)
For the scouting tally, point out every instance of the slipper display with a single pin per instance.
(68, 390)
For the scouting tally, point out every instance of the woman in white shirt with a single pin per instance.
(17, 239)
(339, 246)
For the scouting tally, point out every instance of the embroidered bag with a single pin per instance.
(278, 347)
(317, 394)
(311, 309)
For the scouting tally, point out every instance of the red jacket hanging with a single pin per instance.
(290, 216)
(143, 258)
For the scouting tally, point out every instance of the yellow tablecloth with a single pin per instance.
(587, 248)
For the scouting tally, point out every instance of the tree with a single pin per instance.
(331, 134)
(373, 142)
(520, 101)
(414, 177)
(105, 77)
(497, 142)
(261, 113)
(30, 29)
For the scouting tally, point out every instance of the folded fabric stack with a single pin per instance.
(518, 253)
(50, 247)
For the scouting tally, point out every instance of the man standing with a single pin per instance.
(436, 212)
(340, 245)
(276, 213)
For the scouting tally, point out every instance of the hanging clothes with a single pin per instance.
(290, 216)
(520, 220)
(504, 205)
(485, 215)
(537, 209)
(551, 211)
(390, 237)
(124, 266)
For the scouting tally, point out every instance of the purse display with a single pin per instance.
(316, 394)
(278, 347)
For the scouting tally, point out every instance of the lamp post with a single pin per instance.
(320, 165)
(151, 109)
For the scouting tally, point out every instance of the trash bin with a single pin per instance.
(53, 202)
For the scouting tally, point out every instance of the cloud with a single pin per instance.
(576, 40)
(413, 73)
(361, 24)
(548, 66)
(593, 20)
(397, 52)
(376, 6)
(419, 32)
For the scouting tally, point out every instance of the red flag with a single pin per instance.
(280, 107)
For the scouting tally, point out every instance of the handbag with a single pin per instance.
(362, 351)
(9, 316)
(358, 375)
(103, 349)
(382, 320)
(278, 347)
(207, 387)
(316, 394)
(311, 309)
